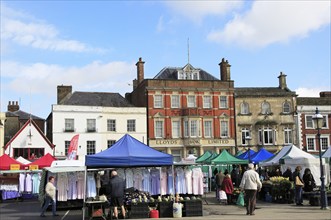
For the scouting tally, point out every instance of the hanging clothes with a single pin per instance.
(138, 179)
(197, 176)
(91, 185)
(129, 178)
(36, 182)
(180, 181)
(28, 183)
(72, 185)
(155, 181)
(21, 182)
(146, 180)
(170, 189)
(62, 187)
(163, 181)
(188, 180)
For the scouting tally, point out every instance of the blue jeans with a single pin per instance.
(47, 202)
(298, 195)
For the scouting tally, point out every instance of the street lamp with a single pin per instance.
(248, 138)
(318, 122)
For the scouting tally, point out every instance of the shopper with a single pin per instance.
(250, 183)
(298, 182)
(116, 190)
(50, 197)
(219, 180)
(308, 180)
(288, 174)
(227, 187)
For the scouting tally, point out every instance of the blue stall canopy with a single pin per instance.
(128, 152)
(244, 156)
(261, 155)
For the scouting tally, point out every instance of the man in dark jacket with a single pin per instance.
(116, 191)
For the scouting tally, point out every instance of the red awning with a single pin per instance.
(44, 161)
(6, 161)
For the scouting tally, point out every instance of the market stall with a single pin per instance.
(126, 153)
(261, 155)
(44, 161)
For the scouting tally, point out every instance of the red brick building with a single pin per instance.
(306, 107)
(188, 110)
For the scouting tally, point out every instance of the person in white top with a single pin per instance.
(250, 183)
(50, 197)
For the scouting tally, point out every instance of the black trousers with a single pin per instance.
(250, 200)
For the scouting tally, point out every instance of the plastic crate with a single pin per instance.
(139, 210)
(192, 208)
(165, 209)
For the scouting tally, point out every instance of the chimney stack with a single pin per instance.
(282, 81)
(140, 70)
(13, 106)
(225, 70)
(62, 93)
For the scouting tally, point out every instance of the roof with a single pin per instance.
(6, 161)
(23, 127)
(226, 158)
(44, 161)
(22, 115)
(128, 152)
(263, 91)
(171, 73)
(97, 99)
(314, 101)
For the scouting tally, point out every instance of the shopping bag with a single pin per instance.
(241, 199)
(222, 195)
(298, 181)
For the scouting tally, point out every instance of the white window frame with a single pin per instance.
(224, 128)
(158, 101)
(223, 102)
(207, 101)
(245, 132)
(309, 123)
(191, 101)
(192, 128)
(288, 135)
(177, 155)
(175, 103)
(159, 128)
(175, 125)
(310, 143)
(90, 147)
(269, 132)
(325, 142)
(208, 128)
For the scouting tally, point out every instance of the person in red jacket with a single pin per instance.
(227, 187)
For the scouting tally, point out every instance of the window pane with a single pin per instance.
(69, 124)
(191, 101)
(224, 129)
(66, 147)
(207, 102)
(90, 147)
(309, 121)
(186, 129)
(159, 129)
(265, 108)
(110, 143)
(111, 125)
(244, 108)
(288, 135)
(175, 101)
(324, 143)
(131, 125)
(158, 101)
(223, 102)
(310, 144)
(244, 134)
(208, 128)
(286, 107)
(194, 128)
(91, 124)
(175, 129)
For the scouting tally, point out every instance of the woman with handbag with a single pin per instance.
(298, 185)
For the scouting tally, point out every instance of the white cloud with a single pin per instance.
(24, 30)
(40, 78)
(197, 10)
(310, 92)
(274, 21)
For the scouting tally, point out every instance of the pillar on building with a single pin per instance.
(201, 150)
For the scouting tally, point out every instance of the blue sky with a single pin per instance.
(94, 45)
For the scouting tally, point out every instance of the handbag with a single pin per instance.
(298, 181)
(241, 200)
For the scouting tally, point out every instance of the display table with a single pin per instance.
(96, 209)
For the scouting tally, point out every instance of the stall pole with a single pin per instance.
(84, 194)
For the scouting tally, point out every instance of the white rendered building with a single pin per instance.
(100, 119)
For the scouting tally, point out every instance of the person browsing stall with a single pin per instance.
(116, 190)
(250, 183)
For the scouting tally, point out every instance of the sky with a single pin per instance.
(94, 45)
